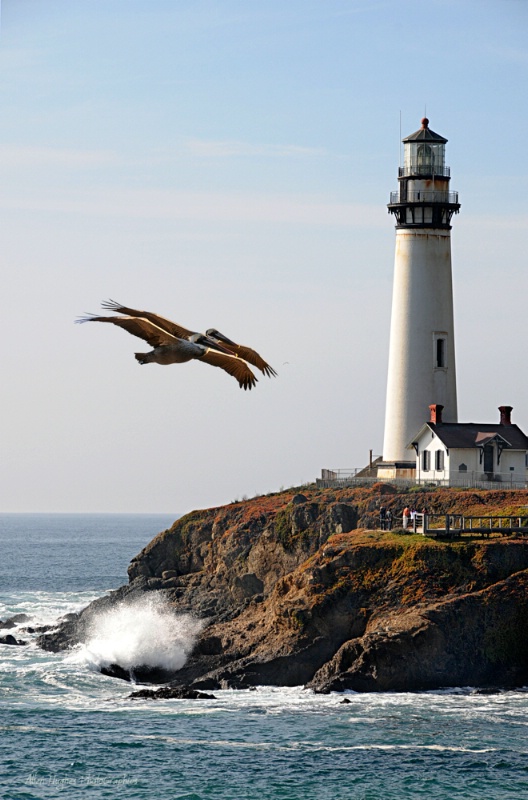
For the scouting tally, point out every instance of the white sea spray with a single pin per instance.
(144, 631)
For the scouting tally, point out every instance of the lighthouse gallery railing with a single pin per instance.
(424, 197)
(424, 169)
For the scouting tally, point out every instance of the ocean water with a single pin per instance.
(69, 732)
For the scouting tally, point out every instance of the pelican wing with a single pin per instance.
(252, 357)
(161, 322)
(233, 365)
(137, 326)
(239, 350)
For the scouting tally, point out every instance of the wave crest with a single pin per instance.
(140, 632)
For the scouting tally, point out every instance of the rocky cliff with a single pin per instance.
(300, 588)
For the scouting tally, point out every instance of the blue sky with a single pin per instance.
(228, 164)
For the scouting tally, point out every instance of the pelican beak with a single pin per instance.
(220, 336)
(214, 345)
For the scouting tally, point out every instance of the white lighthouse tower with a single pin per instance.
(422, 342)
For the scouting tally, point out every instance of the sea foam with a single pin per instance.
(144, 631)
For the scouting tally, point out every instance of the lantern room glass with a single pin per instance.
(424, 158)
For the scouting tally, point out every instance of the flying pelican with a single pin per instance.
(215, 337)
(171, 349)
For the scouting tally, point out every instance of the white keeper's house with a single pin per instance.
(468, 453)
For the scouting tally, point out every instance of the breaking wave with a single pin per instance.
(143, 631)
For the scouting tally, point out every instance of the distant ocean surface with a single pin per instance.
(69, 732)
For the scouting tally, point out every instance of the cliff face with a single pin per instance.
(296, 589)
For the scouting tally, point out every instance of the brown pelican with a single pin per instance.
(171, 349)
(215, 337)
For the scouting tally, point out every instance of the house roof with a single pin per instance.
(471, 434)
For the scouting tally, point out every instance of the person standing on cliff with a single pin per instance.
(382, 517)
(388, 520)
(406, 516)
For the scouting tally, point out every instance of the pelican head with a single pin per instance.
(218, 336)
(206, 341)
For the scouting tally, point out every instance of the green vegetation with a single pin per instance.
(283, 528)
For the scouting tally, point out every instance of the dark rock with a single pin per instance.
(247, 585)
(209, 646)
(115, 671)
(18, 618)
(172, 693)
(340, 518)
(474, 639)
(299, 498)
(303, 516)
(9, 639)
(14, 620)
(140, 674)
(171, 583)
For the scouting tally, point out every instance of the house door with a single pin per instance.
(488, 458)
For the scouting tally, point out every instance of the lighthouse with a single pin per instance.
(422, 341)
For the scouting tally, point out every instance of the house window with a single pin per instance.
(462, 468)
(439, 461)
(426, 460)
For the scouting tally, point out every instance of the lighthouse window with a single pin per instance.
(440, 355)
(426, 460)
(425, 156)
(439, 459)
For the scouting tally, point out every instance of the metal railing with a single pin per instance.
(339, 474)
(360, 480)
(424, 169)
(451, 525)
(334, 478)
(423, 197)
(469, 479)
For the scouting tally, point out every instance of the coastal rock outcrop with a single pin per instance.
(300, 588)
(142, 673)
(171, 693)
(13, 621)
(11, 640)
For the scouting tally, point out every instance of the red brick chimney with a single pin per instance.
(436, 413)
(505, 415)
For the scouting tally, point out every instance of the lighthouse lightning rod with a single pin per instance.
(400, 142)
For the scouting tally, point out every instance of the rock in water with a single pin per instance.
(9, 639)
(140, 674)
(172, 693)
(12, 622)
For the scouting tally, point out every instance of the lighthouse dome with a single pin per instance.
(425, 134)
